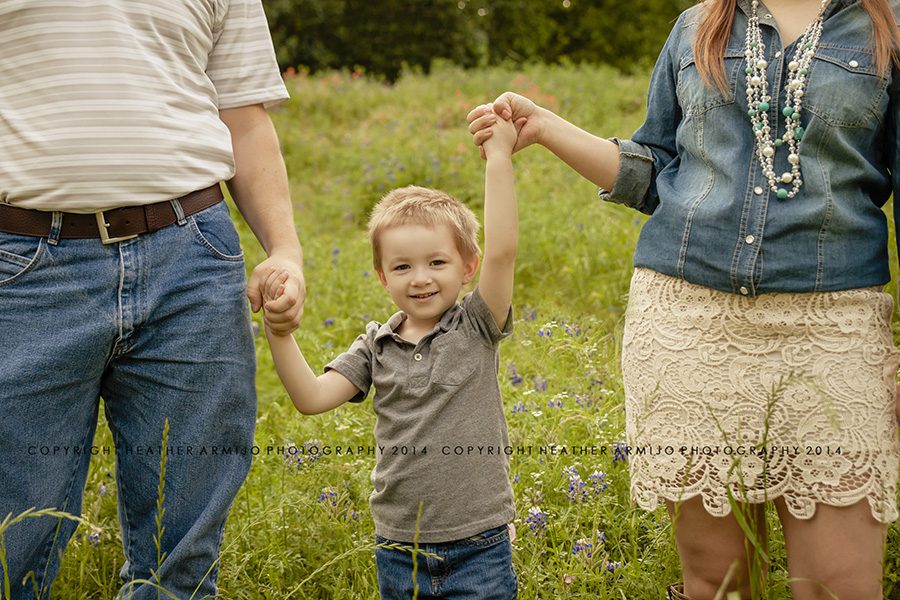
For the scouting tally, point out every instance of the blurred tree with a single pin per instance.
(384, 36)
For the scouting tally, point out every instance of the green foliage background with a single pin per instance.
(380, 37)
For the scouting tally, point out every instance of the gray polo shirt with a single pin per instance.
(440, 428)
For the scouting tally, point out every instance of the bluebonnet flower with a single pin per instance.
(513, 375)
(577, 490)
(329, 322)
(545, 332)
(515, 479)
(334, 255)
(598, 481)
(311, 450)
(518, 407)
(540, 384)
(555, 403)
(613, 566)
(293, 457)
(620, 452)
(572, 330)
(537, 519)
(94, 539)
(350, 515)
(601, 537)
(328, 495)
(329, 344)
(529, 314)
(583, 546)
(582, 401)
(366, 273)
(102, 490)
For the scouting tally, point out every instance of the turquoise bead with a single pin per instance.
(795, 116)
(787, 111)
(782, 193)
(804, 71)
(779, 142)
(748, 70)
(763, 106)
(751, 113)
(798, 133)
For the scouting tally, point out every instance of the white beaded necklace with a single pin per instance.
(758, 100)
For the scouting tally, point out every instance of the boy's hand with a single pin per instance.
(273, 289)
(502, 140)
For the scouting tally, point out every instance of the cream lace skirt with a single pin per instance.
(784, 395)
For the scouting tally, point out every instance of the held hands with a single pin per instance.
(282, 311)
(519, 110)
(501, 141)
(273, 292)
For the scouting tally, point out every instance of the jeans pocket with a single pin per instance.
(214, 230)
(488, 537)
(18, 254)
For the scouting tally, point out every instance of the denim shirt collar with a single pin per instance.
(833, 7)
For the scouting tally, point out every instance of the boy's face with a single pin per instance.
(423, 271)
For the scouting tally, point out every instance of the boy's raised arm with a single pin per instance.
(310, 394)
(500, 222)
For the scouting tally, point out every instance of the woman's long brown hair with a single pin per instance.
(712, 37)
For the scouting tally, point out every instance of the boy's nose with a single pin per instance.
(422, 277)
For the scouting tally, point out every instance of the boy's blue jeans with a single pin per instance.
(475, 568)
(159, 327)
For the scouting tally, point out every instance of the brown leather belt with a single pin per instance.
(110, 226)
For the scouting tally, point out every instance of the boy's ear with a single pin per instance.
(381, 277)
(470, 269)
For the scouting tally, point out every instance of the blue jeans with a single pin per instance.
(475, 568)
(159, 326)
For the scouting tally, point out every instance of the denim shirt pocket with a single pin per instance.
(694, 95)
(849, 74)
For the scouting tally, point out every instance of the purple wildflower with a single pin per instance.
(583, 546)
(620, 452)
(537, 519)
(613, 566)
(529, 314)
(598, 481)
(516, 478)
(94, 539)
(577, 490)
(366, 273)
(102, 490)
(328, 495)
(601, 537)
(329, 322)
(582, 401)
(518, 407)
(540, 384)
(513, 375)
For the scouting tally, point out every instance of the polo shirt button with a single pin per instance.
(854, 64)
(744, 290)
(417, 356)
(749, 239)
(768, 15)
(758, 191)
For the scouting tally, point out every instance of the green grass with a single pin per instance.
(346, 142)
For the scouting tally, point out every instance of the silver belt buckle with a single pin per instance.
(102, 227)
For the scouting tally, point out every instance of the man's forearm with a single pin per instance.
(260, 185)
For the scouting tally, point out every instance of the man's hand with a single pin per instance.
(282, 315)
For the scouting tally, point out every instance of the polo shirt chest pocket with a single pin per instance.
(844, 88)
(456, 358)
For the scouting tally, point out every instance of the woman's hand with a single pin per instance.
(524, 114)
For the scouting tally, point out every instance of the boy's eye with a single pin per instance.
(401, 267)
(439, 262)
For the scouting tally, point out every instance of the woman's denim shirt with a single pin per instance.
(692, 165)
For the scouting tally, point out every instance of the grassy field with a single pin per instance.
(300, 528)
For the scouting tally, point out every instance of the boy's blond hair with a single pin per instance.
(424, 206)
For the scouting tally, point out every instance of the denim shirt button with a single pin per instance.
(853, 64)
(758, 191)
(749, 239)
(778, 54)
(744, 290)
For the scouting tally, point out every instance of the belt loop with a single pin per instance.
(55, 227)
(179, 212)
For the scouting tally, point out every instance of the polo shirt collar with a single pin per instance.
(389, 328)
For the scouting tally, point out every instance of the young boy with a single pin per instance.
(440, 418)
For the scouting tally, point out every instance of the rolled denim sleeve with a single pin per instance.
(652, 147)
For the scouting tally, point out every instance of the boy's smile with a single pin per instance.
(423, 271)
